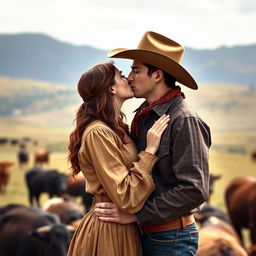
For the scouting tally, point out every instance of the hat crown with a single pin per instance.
(157, 43)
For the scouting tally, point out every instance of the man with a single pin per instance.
(181, 174)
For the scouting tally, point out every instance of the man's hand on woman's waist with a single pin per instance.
(108, 212)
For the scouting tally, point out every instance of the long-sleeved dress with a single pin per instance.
(114, 172)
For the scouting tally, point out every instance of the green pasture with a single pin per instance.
(230, 165)
(224, 159)
(16, 190)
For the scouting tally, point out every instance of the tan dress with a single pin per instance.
(114, 172)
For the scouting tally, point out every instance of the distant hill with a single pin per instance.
(20, 97)
(224, 107)
(40, 57)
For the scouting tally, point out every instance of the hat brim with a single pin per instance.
(158, 60)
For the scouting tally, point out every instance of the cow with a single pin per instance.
(76, 187)
(14, 142)
(65, 207)
(240, 196)
(31, 231)
(3, 141)
(254, 156)
(218, 238)
(211, 211)
(26, 139)
(213, 179)
(42, 157)
(40, 180)
(23, 156)
(5, 173)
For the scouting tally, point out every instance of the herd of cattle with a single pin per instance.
(220, 232)
(47, 229)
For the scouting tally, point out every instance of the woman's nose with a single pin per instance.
(130, 77)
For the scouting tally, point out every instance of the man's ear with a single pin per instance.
(158, 75)
(112, 89)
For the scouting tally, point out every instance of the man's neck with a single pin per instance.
(157, 95)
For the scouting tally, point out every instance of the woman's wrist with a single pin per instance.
(150, 150)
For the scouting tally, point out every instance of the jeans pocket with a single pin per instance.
(162, 237)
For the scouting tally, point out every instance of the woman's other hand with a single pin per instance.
(155, 132)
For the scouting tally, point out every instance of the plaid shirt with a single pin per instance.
(181, 175)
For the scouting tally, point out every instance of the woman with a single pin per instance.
(101, 149)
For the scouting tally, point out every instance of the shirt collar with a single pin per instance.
(161, 108)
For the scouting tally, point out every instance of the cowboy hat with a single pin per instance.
(161, 52)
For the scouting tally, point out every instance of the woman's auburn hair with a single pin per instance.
(94, 88)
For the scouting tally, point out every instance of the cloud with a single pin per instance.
(120, 23)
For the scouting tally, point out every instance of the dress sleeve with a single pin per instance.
(127, 188)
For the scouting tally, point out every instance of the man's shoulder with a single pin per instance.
(181, 109)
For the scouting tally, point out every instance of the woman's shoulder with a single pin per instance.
(99, 127)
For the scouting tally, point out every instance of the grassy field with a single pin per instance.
(230, 165)
(229, 155)
(16, 190)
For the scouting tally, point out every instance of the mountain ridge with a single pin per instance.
(41, 57)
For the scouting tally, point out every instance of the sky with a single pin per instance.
(109, 24)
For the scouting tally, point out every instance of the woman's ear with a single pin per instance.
(112, 89)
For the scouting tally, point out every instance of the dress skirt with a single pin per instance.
(97, 238)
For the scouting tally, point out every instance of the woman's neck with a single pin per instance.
(117, 106)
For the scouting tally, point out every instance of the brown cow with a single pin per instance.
(42, 157)
(254, 156)
(240, 198)
(5, 173)
(65, 207)
(218, 238)
(76, 187)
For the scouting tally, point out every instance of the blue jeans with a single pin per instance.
(179, 242)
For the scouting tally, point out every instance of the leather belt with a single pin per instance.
(178, 223)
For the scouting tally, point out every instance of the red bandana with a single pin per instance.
(144, 110)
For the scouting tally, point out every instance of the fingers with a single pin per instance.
(106, 205)
(161, 123)
(162, 120)
(105, 212)
(161, 129)
(110, 219)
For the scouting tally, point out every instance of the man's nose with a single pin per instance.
(130, 77)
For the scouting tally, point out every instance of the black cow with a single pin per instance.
(31, 231)
(3, 141)
(39, 180)
(211, 211)
(14, 142)
(213, 179)
(23, 155)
